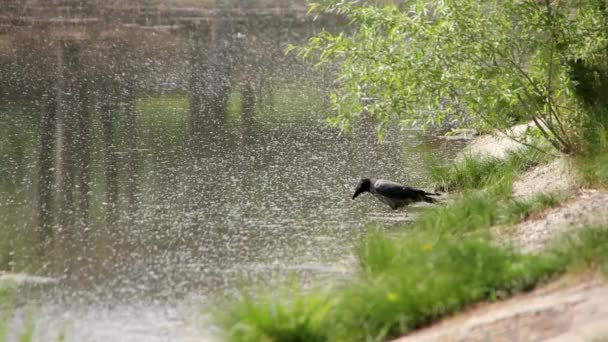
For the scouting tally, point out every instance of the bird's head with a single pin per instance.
(363, 186)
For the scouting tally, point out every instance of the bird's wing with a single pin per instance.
(395, 190)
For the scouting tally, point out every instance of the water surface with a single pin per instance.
(149, 172)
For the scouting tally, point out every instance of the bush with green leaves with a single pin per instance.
(495, 62)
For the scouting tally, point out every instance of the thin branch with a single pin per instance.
(547, 136)
(541, 93)
(551, 128)
(553, 110)
(523, 73)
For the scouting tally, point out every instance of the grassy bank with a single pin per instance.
(471, 173)
(407, 282)
(443, 262)
(593, 169)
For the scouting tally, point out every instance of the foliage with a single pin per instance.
(494, 62)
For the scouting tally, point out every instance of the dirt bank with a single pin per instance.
(566, 310)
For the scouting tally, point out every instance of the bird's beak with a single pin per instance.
(357, 192)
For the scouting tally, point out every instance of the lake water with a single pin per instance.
(148, 172)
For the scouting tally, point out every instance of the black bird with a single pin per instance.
(393, 194)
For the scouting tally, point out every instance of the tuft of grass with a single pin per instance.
(469, 212)
(593, 170)
(469, 173)
(287, 315)
(426, 278)
(477, 173)
(587, 249)
(476, 212)
(516, 210)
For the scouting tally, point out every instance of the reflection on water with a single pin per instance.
(150, 170)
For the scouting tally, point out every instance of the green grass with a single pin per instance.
(585, 250)
(476, 212)
(441, 264)
(406, 282)
(485, 196)
(478, 173)
(593, 170)
(427, 278)
(469, 215)
(471, 212)
(286, 315)
(516, 210)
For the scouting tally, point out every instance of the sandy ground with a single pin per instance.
(589, 208)
(557, 177)
(584, 207)
(564, 311)
(496, 145)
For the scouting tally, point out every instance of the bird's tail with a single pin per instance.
(428, 199)
(425, 196)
